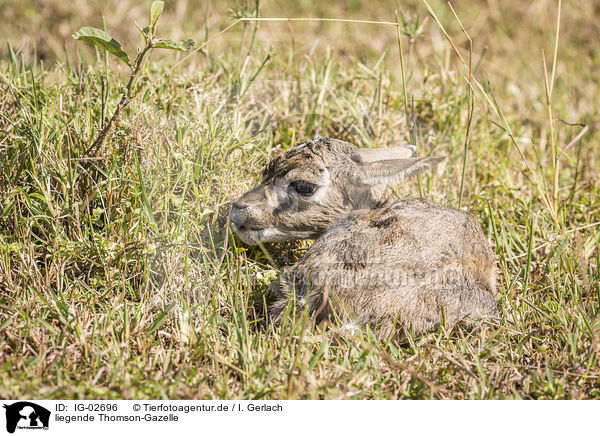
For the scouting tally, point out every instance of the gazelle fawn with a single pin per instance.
(376, 260)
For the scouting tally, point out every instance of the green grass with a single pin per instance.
(120, 279)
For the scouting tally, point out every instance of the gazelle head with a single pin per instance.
(313, 184)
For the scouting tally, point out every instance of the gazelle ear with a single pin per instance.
(375, 154)
(385, 172)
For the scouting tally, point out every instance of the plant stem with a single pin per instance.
(401, 64)
(471, 106)
(125, 100)
(552, 142)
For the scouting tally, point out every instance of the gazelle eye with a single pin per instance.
(303, 187)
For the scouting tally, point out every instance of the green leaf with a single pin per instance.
(155, 11)
(160, 319)
(103, 40)
(139, 86)
(145, 31)
(174, 45)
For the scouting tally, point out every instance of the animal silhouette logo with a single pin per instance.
(26, 415)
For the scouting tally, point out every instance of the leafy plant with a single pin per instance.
(106, 42)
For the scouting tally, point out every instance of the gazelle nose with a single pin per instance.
(239, 212)
(240, 204)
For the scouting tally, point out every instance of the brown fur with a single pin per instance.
(406, 263)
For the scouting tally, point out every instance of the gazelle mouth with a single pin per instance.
(247, 228)
(252, 235)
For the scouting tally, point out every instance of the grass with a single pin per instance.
(120, 279)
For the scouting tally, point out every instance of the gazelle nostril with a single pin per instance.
(240, 213)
